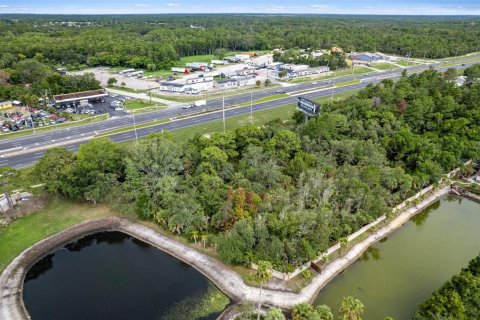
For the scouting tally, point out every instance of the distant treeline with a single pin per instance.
(157, 41)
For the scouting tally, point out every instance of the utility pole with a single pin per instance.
(251, 104)
(135, 127)
(33, 126)
(150, 93)
(223, 111)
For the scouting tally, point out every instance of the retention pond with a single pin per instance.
(400, 272)
(111, 275)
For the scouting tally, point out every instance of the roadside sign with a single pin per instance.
(309, 107)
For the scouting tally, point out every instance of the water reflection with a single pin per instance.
(372, 252)
(111, 275)
(42, 266)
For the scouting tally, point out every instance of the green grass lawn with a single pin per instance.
(404, 63)
(200, 58)
(130, 128)
(340, 73)
(383, 66)
(232, 123)
(347, 83)
(56, 216)
(264, 99)
(133, 104)
(126, 89)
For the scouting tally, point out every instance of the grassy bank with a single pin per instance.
(56, 216)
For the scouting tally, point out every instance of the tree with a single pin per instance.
(220, 53)
(258, 83)
(283, 73)
(274, 314)
(351, 309)
(123, 84)
(111, 81)
(57, 170)
(194, 235)
(99, 164)
(268, 82)
(204, 238)
(263, 275)
(450, 74)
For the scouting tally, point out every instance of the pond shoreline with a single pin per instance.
(231, 283)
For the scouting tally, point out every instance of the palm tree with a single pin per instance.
(351, 309)
(195, 236)
(204, 238)
(263, 275)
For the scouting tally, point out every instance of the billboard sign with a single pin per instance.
(309, 107)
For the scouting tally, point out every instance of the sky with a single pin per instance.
(397, 7)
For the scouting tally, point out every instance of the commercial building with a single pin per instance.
(6, 104)
(192, 85)
(294, 70)
(236, 82)
(77, 96)
(365, 57)
(172, 87)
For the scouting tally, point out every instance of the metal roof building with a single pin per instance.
(77, 96)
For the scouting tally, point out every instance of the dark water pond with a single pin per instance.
(111, 275)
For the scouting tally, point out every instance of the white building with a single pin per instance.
(295, 67)
(237, 82)
(199, 79)
(172, 87)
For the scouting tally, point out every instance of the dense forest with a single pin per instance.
(284, 192)
(333, 60)
(157, 41)
(458, 298)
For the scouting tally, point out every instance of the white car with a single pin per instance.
(314, 82)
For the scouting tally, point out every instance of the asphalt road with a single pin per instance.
(63, 136)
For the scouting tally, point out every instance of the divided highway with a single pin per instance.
(25, 151)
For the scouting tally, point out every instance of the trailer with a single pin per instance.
(200, 103)
(138, 74)
(219, 62)
(126, 71)
(197, 103)
(179, 70)
(197, 65)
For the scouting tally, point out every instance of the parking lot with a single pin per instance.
(102, 106)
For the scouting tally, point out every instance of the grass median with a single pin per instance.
(131, 128)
